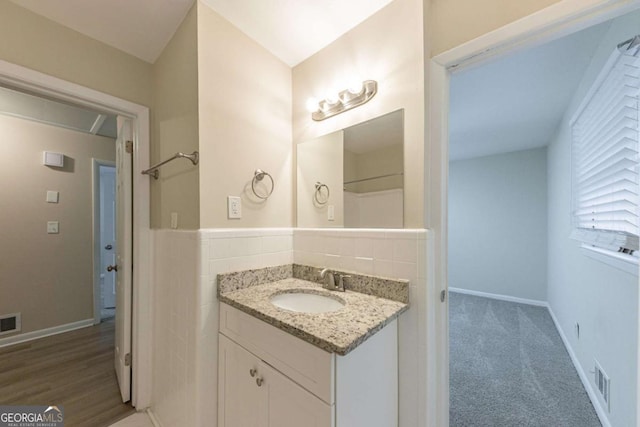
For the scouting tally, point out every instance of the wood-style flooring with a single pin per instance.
(74, 370)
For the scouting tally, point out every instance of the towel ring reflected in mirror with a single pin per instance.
(258, 176)
(318, 194)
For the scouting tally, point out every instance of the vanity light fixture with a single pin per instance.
(347, 99)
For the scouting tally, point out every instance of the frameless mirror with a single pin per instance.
(354, 177)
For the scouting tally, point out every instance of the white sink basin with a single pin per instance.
(304, 302)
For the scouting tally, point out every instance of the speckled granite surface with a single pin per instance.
(395, 289)
(338, 331)
(245, 279)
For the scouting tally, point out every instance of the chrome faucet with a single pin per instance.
(335, 280)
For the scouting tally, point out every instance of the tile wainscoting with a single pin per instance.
(398, 254)
(186, 307)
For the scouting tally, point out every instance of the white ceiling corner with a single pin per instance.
(293, 30)
(141, 28)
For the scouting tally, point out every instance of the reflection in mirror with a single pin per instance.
(354, 177)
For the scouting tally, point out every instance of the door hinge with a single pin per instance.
(127, 359)
(443, 295)
(129, 147)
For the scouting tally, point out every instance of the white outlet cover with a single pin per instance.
(174, 220)
(234, 205)
(53, 227)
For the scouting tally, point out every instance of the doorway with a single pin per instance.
(104, 235)
(36, 83)
(549, 24)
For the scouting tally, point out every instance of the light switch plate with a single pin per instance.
(53, 227)
(174, 220)
(52, 196)
(331, 213)
(234, 205)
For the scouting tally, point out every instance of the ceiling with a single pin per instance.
(292, 30)
(141, 28)
(57, 113)
(517, 102)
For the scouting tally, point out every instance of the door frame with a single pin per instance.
(97, 250)
(40, 83)
(558, 20)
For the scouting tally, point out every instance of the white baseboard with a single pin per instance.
(600, 411)
(34, 335)
(595, 401)
(500, 297)
(153, 418)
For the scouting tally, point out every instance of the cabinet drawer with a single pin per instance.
(307, 365)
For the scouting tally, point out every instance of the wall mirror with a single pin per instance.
(353, 178)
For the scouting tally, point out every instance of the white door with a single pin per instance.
(124, 257)
(108, 235)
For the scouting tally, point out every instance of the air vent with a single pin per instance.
(603, 383)
(10, 323)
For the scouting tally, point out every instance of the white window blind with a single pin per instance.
(605, 158)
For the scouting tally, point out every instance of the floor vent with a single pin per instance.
(603, 383)
(10, 323)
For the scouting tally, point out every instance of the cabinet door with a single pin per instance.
(239, 394)
(286, 404)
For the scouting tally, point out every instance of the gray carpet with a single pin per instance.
(509, 367)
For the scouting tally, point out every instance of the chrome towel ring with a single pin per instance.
(258, 176)
(318, 192)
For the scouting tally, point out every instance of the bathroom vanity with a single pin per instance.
(284, 368)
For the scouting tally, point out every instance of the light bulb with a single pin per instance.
(333, 98)
(356, 86)
(312, 105)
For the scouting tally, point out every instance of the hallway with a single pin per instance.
(74, 370)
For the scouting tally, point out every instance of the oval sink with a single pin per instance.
(304, 302)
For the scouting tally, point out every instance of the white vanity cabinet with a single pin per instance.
(253, 394)
(267, 377)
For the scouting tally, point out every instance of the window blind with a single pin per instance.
(605, 158)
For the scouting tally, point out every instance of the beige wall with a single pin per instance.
(175, 129)
(245, 124)
(35, 42)
(47, 277)
(388, 48)
(320, 160)
(454, 22)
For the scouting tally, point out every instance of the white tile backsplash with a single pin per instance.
(382, 249)
(388, 253)
(186, 308)
(405, 250)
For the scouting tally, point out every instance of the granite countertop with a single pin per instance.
(338, 331)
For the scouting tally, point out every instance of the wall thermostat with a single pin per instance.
(53, 159)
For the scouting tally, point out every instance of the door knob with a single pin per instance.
(112, 268)
(108, 247)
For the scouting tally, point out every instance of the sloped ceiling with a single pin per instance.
(516, 103)
(292, 30)
(141, 28)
